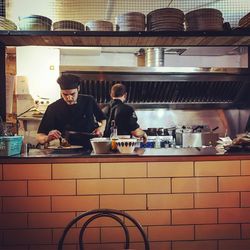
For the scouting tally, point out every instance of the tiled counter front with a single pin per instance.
(190, 205)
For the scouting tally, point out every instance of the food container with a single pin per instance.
(10, 145)
(126, 146)
(101, 145)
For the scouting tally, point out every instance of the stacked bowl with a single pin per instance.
(131, 21)
(6, 24)
(99, 25)
(206, 19)
(68, 25)
(35, 23)
(165, 19)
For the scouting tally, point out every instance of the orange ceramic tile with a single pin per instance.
(194, 216)
(209, 200)
(52, 247)
(100, 186)
(234, 244)
(245, 199)
(49, 220)
(166, 233)
(91, 235)
(241, 183)
(245, 231)
(74, 203)
(194, 184)
(116, 234)
(12, 221)
(76, 170)
(195, 245)
(170, 169)
(26, 204)
(13, 188)
(28, 236)
(1, 171)
(147, 185)
(234, 215)
(105, 246)
(245, 167)
(123, 202)
(217, 168)
(26, 171)
(151, 217)
(220, 231)
(160, 245)
(170, 201)
(125, 170)
(14, 247)
(52, 187)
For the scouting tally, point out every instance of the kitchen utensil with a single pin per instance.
(79, 138)
(101, 145)
(126, 146)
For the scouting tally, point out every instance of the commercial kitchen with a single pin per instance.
(188, 186)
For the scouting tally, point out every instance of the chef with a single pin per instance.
(72, 112)
(124, 115)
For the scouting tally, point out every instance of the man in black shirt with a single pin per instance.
(124, 115)
(72, 112)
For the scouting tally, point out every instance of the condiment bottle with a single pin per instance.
(113, 136)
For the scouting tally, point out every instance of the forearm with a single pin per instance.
(101, 128)
(140, 133)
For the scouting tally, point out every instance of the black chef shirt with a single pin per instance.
(124, 116)
(80, 117)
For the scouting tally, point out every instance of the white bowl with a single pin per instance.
(101, 145)
(126, 146)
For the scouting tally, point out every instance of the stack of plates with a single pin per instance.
(166, 19)
(204, 20)
(6, 24)
(35, 22)
(245, 21)
(99, 26)
(68, 25)
(131, 21)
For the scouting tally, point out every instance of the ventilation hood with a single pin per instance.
(180, 88)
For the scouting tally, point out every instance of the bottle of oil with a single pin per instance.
(113, 136)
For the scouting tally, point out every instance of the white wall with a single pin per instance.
(41, 66)
(101, 59)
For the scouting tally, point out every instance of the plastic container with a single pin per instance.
(101, 145)
(10, 145)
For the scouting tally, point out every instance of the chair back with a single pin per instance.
(97, 213)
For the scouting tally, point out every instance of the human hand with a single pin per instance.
(54, 134)
(98, 131)
(145, 138)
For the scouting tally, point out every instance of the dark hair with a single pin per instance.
(118, 90)
(68, 81)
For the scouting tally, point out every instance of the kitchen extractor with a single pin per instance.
(168, 87)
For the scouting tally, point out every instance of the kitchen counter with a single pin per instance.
(183, 198)
(150, 154)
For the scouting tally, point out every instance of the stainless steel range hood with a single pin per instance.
(170, 87)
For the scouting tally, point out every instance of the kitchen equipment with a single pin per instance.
(126, 146)
(101, 145)
(188, 138)
(79, 138)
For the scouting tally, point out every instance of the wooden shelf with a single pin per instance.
(125, 39)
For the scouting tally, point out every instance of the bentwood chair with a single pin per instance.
(97, 213)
